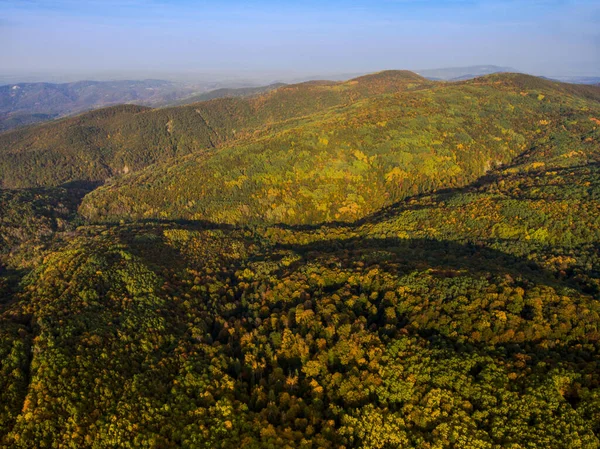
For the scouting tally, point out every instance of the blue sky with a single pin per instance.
(339, 36)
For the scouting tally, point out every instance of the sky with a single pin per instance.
(545, 37)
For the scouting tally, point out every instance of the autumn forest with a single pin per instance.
(384, 262)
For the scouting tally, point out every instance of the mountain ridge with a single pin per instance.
(339, 165)
(183, 305)
(150, 138)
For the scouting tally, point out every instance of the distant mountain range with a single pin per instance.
(24, 104)
(577, 79)
(463, 73)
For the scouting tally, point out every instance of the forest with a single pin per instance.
(387, 262)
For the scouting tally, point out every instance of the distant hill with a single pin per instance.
(463, 73)
(229, 92)
(578, 79)
(27, 103)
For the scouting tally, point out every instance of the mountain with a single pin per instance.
(349, 161)
(106, 142)
(463, 73)
(26, 103)
(578, 79)
(182, 304)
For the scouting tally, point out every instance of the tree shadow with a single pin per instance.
(83, 185)
(426, 254)
(181, 222)
(414, 202)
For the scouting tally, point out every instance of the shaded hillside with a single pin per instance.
(97, 147)
(348, 162)
(73, 149)
(26, 103)
(11, 121)
(468, 318)
(30, 218)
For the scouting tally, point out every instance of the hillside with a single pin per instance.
(347, 162)
(380, 263)
(229, 92)
(465, 317)
(10, 121)
(69, 150)
(26, 103)
(104, 143)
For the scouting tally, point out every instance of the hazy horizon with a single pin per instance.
(267, 41)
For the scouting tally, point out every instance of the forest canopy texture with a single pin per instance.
(386, 262)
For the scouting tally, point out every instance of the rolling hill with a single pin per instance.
(27, 103)
(103, 143)
(384, 262)
(349, 161)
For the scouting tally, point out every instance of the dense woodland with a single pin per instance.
(99, 144)
(183, 305)
(350, 161)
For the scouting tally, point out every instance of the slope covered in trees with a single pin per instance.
(103, 143)
(25, 103)
(468, 318)
(229, 92)
(465, 317)
(349, 161)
